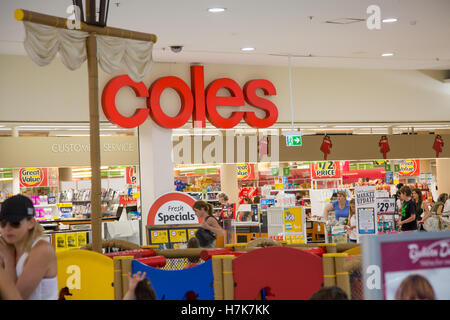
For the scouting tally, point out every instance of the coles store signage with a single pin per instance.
(326, 169)
(195, 101)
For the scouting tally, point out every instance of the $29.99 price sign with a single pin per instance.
(385, 206)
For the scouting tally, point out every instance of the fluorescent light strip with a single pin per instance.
(194, 168)
(101, 129)
(51, 127)
(216, 10)
(356, 126)
(78, 135)
(81, 169)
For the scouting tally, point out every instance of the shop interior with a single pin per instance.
(62, 195)
(63, 205)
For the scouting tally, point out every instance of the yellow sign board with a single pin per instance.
(159, 236)
(178, 235)
(294, 229)
(191, 233)
(71, 240)
(293, 220)
(81, 239)
(64, 205)
(60, 242)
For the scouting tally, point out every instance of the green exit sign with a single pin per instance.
(293, 141)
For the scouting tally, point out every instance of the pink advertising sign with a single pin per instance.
(415, 263)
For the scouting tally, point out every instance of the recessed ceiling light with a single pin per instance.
(216, 10)
(387, 54)
(248, 49)
(390, 20)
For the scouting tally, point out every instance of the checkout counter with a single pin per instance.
(245, 231)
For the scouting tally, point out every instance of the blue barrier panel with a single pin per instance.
(195, 283)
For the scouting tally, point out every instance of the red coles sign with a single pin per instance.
(195, 101)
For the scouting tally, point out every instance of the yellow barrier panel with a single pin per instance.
(88, 275)
(353, 251)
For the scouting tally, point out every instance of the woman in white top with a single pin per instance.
(28, 260)
(446, 210)
(351, 224)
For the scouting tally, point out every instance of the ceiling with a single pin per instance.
(73, 129)
(419, 39)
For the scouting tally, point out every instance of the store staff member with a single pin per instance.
(340, 206)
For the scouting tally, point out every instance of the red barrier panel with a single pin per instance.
(319, 251)
(300, 274)
(208, 253)
(156, 261)
(238, 253)
(137, 253)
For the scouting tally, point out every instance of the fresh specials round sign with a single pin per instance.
(172, 208)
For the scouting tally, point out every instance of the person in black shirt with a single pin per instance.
(408, 211)
(397, 197)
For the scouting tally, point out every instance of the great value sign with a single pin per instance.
(33, 177)
(172, 208)
(245, 171)
(195, 101)
(326, 169)
(409, 168)
(38, 177)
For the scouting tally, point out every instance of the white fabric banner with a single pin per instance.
(42, 43)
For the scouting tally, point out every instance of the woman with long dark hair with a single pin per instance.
(421, 207)
(204, 211)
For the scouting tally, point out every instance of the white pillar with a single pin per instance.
(442, 175)
(16, 181)
(156, 166)
(15, 132)
(229, 182)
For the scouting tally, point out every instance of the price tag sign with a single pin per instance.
(385, 206)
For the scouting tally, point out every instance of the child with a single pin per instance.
(139, 288)
(351, 224)
(194, 261)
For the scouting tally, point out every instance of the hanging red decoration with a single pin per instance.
(438, 144)
(384, 145)
(263, 147)
(326, 146)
